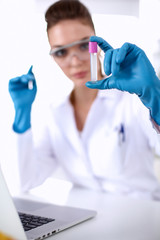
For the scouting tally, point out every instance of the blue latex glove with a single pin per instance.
(130, 71)
(23, 98)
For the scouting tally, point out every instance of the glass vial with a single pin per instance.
(93, 60)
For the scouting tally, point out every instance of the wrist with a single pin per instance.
(155, 126)
(22, 121)
(151, 99)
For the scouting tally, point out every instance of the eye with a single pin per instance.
(60, 53)
(84, 46)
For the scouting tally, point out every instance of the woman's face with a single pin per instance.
(74, 60)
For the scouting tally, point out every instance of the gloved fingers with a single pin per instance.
(17, 84)
(107, 62)
(124, 51)
(21, 82)
(115, 67)
(27, 77)
(24, 78)
(101, 43)
(107, 83)
(30, 70)
(113, 82)
(14, 80)
(100, 84)
(30, 74)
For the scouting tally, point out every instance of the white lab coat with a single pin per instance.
(101, 156)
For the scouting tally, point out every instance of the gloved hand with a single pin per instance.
(130, 71)
(23, 98)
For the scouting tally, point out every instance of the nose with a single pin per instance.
(75, 60)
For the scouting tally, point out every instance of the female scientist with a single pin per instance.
(103, 140)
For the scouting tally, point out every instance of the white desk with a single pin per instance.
(118, 218)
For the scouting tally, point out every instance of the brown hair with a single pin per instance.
(68, 9)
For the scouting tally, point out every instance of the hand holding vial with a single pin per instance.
(128, 69)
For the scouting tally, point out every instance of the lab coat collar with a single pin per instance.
(110, 94)
(64, 115)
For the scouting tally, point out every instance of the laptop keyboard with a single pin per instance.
(31, 221)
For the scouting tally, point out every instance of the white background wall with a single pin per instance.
(23, 42)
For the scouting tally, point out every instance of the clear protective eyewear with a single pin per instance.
(63, 55)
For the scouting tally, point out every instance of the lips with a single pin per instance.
(80, 74)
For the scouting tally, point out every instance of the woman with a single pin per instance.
(101, 140)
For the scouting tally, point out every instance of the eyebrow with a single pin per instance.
(60, 47)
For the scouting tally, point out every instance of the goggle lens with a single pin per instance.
(63, 55)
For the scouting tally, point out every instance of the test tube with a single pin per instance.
(93, 60)
(30, 85)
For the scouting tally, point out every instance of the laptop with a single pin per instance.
(27, 220)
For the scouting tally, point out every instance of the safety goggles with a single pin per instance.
(63, 55)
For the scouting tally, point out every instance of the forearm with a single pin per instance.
(35, 161)
(151, 99)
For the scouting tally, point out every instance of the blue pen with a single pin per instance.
(122, 133)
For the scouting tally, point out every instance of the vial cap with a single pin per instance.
(92, 47)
